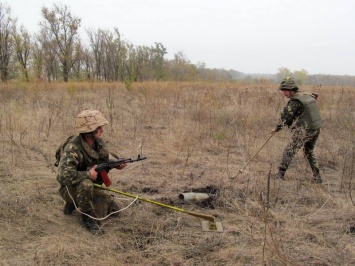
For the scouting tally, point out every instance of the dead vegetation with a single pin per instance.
(196, 136)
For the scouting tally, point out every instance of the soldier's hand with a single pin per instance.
(121, 166)
(93, 173)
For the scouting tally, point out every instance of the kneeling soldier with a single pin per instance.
(84, 151)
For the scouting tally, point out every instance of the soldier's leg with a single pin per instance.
(85, 196)
(69, 195)
(290, 150)
(308, 149)
(81, 194)
(103, 203)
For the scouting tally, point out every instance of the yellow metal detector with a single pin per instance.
(208, 223)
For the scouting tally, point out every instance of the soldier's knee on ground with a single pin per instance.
(114, 208)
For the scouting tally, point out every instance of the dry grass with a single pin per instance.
(194, 135)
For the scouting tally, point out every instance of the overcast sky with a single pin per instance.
(251, 36)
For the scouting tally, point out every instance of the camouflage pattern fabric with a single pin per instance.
(293, 109)
(288, 84)
(88, 200)
(82, 193)
(300, 138)
(75, 179)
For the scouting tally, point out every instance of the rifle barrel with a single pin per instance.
(109, 165)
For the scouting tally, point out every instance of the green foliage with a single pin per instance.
(128, 82)
(283, 73)
(301, 76)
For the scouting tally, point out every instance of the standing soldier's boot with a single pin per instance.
(280, 174)
(89, 223)
(317, 178)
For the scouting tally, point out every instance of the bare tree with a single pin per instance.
(95, 42)
(22, 46)
(158, 61)
(81, 67)
(180, 67)
(116, 48)
(37, 59)
(64, 28)
(109, 53)
(6, 26)
(144, 70)
(87, 61)
(49, 51)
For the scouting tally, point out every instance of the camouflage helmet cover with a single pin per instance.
(288, 84)
(89, 120)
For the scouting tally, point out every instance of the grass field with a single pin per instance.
(196, 136)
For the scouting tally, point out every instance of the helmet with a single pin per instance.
(89, 120)
(288, 84)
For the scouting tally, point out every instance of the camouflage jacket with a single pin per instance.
(301, 111)
(290, 113)
(77, 157)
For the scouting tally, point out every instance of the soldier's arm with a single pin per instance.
(293, 109)
(68, 173)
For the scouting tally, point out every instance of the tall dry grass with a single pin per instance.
(195, 136)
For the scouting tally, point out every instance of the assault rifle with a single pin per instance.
(104, 168)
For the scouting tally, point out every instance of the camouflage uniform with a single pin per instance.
(302, 116)
(301, 137)
(75, 179)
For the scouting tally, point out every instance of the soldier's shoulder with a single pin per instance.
(295, 101)
(72, 146)
(102, 143)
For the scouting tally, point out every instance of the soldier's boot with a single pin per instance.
(280, 174)
(317, 179)
(90, 224)
(69, 207)
(351, 230)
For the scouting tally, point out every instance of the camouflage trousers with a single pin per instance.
(87, 199)
(307, 140)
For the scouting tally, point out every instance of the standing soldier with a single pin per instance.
(77, 183)
(302, 116)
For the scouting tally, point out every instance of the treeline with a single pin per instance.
(57, 53)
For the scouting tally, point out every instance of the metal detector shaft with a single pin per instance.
(196, 214)
(241, 170)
